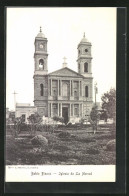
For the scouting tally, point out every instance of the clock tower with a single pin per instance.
(84, 58)
(40, 55)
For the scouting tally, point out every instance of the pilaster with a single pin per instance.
(61, 109)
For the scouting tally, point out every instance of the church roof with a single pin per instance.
(65, 72)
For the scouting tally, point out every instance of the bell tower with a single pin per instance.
(40, 55)
(84, 58)
(41, 74)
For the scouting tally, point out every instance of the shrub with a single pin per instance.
(34, 120)
(94, 118)
(92, 151)
(42, 127)
(64, 134)
(23, 127)
(39, 140)
(58, 119)
(51, 128)
(47, 128)
(69, 124)
(111, 145)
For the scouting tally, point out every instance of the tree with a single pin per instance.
(103, 115)
(61, 119)
(34, 121)
(15, 125)
(94, 117)
(109, 103)
(58, 119)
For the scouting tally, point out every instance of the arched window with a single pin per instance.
(86, 91)
(65, 90)
(86, 67)
(79, 66)
(41, 90)
(41, 64)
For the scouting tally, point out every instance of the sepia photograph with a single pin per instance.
(60, 94)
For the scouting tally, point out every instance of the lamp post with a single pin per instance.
(96, 90)
(86, 112)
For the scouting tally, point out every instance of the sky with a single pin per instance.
(64, 29)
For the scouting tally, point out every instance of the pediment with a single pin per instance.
(65, 72)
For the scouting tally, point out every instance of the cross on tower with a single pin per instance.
(64, 59)
(64, 63)
(84, 34)
(14, 99)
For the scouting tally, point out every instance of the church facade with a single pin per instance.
(64, 92)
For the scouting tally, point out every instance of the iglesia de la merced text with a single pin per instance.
(64, 92)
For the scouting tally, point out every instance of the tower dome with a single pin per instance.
(84, 39)
(40, 34)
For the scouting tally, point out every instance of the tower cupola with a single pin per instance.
(84, 40)
(40, 34)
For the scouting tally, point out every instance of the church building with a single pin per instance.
(64, 92)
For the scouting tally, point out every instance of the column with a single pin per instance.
(48, 88)
(61, 109)
(48, 109)
(82, 109)
(58, 87)
(70, 88)
(70, 110)
(73, 109)
(51, 87)
(58, 109)
(51, 109)
(82, 88)
(79, 88)
(79, 109)
(61, 87)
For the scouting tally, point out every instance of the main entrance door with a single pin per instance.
(65, 114)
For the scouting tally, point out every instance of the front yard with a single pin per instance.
(77, 147)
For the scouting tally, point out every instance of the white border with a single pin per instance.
(60, 173)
